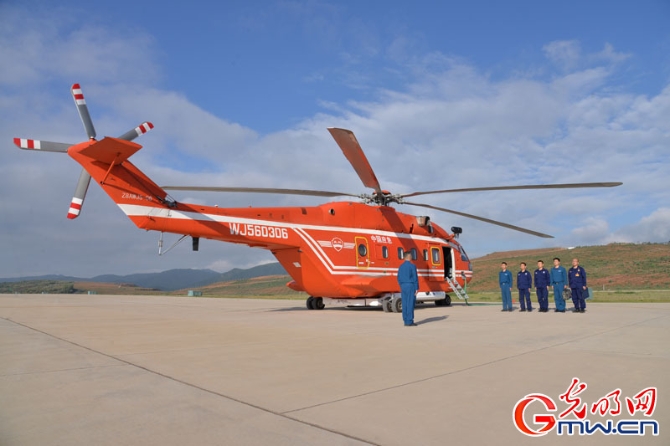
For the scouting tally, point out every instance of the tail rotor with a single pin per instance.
(84, 178)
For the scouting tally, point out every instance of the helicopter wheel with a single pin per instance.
(310, 303)
(318, 304)
(439, 303)
(447, 300)
(386, 305)
(396, 305)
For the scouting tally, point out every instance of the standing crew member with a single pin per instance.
(559, 279)
(523, 282)
(542, 281)
(577, 279)
(409, 286)
(505, 280)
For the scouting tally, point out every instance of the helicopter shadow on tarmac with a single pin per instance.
(362, 309)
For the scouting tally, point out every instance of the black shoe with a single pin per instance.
(529, 310)
(504, 309)
(561, 311)
(583, 310)
(556, 310)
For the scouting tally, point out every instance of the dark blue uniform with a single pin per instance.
(542, 282)
(409, 284)
(577, 279)
(505, 280)
(523, 282)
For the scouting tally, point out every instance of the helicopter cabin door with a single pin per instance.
(362, 252)
(436, 264)
(448, 262)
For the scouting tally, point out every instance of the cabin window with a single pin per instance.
(401, 253)
(413, 251)
(425, 255)
(362, 250)
(385, 252)
(436, 255)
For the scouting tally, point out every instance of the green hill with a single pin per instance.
(616, 266)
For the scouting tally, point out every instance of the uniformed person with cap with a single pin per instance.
(505, 281)
(577, 280)
(559, 279)
(542, 282)
(523, 283)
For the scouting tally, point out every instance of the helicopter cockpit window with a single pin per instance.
(401, 253)
(425, 255)
(413, 251)
(362, 250)
(385, 252)
(464, 256)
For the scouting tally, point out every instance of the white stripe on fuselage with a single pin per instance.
(133, 210)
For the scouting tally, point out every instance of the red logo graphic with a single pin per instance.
(338, 244)
(644, 402)
(548, 420)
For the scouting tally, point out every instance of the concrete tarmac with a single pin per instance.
(145, 370)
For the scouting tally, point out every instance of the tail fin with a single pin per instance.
(107, 163)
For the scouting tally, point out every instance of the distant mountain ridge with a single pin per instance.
(171, 280)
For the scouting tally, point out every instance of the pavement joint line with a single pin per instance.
(194, 386)
(465, 369)
(63, 370)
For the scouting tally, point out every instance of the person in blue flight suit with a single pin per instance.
(523, 283)
(559, 279)
(542, 281)
(409, 286)
(577, 280)
(505, 280)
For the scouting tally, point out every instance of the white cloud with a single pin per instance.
(654, 227)
(568, 56)
(44, 47)
(593, 229)
(564, 53)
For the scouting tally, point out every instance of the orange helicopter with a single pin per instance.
(344, 252)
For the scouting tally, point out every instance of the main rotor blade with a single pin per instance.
(137, 131)
(485, 220)
(82, 108)
(44, 146)
(352, 150)
(261, 190)
(528, 186)
(79, 195)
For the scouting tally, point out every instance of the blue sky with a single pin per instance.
(440, 96)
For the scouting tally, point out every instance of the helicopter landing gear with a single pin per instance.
(396, 304)
(315, 303)
(446, 302)
(386, 306)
